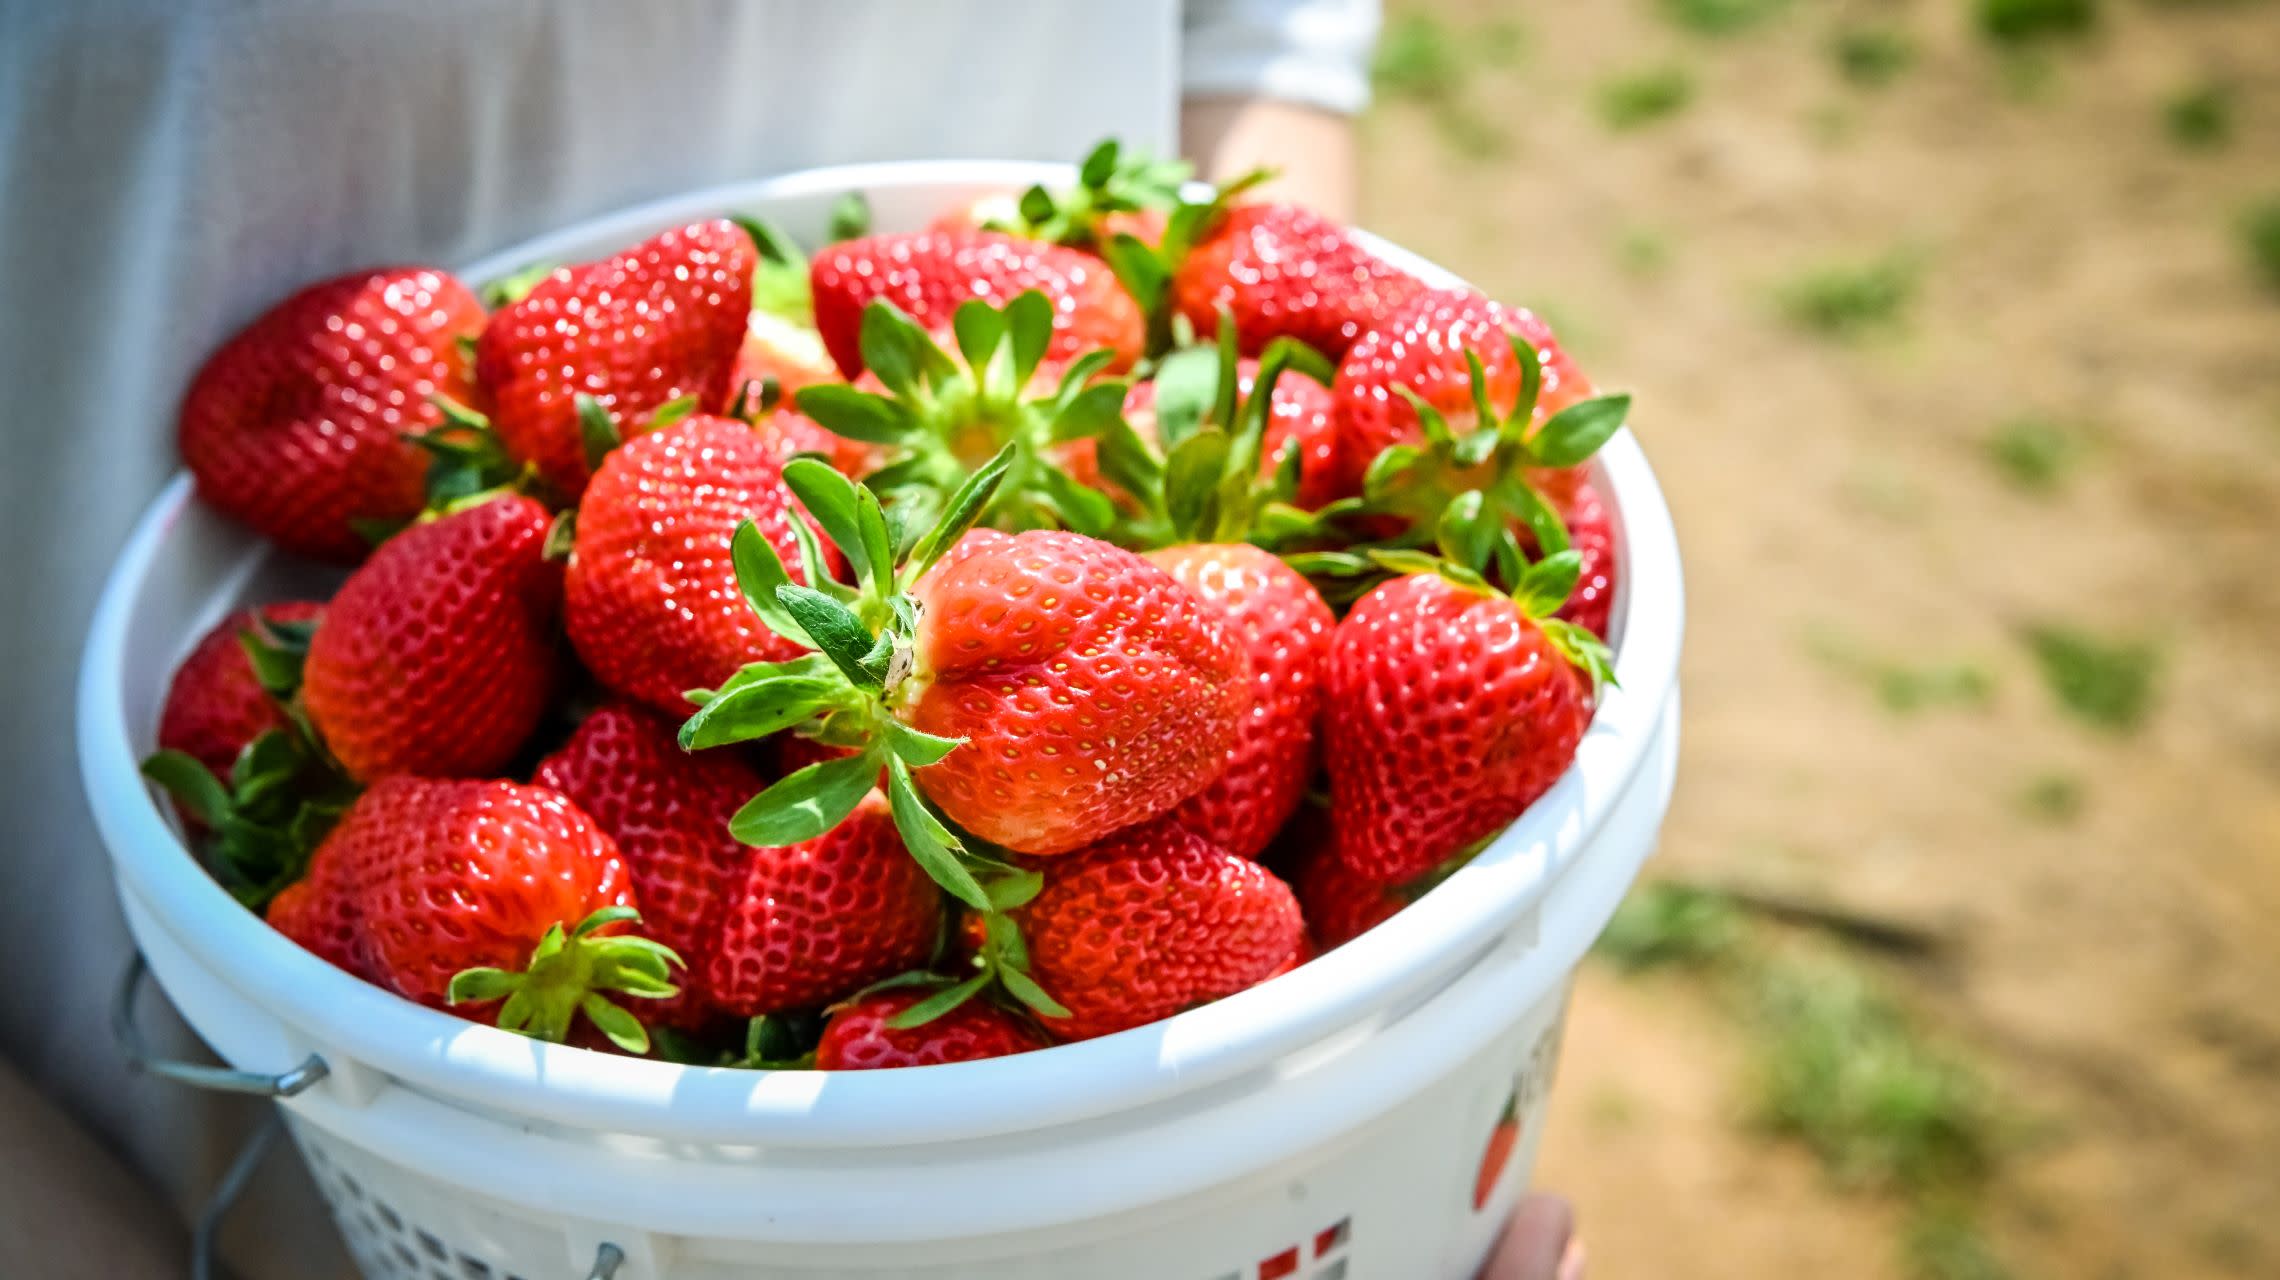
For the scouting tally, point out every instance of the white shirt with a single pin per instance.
(171, 167)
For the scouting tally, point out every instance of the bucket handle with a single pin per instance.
(607, 1260)
(285, 1084)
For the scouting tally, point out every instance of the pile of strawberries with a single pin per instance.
(1012, 632)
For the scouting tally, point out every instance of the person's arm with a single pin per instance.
(68, 1211)
(1277, 83)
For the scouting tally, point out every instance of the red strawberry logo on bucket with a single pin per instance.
(1531, 1082)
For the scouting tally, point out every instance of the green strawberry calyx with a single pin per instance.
(942, 418)
(1200, 480)
(566, 976)
(1109, 180)
(284, 791)
(1475, 543)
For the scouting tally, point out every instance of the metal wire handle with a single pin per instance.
(198, 1075)
(607, 1260)
(205, 1237)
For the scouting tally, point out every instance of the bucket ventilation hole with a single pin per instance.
(393, 1247)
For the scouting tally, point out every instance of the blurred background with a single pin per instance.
(1955, 328)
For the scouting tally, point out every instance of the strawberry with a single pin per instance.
(661, 321)
(861, 1035)
(650, 597)
(1092, 689)
(319, 913)
(816, 921)
(1284, 627)
(928, 274)
(1423, 347)
(1341, 906)
(255, 790)
(1283, 270)
(1153, 920)
(1043, 688)
(1591, 528)
(1447, 708)
(296, 426)
(668, 813)
(791, 355)
(216, 705)
(438, 657)
(452, 886)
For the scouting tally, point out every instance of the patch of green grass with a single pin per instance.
(1721, 17)
(1946, 1244)
(1903, 687)
(1501, 42)
(2053, 797)
(2105, 683)
(1941, 684)
(1873, 57)
(1417, 58)
(1841, 1068)
(1642, 251)
(2260, 235)
(2026, 21)
(1850, 300)
(1468, 134)
(2199, 117)
(2034, 455)
(1663, 925)
(1644, 97)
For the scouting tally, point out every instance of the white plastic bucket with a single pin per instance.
(1330, 1123)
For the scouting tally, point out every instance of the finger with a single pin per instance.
(1536, 1243)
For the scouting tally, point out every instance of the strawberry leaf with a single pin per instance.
(936, 849)
(1587, 651)
(941, 1002)
(597, 431)
(850, 217)
(192, 785)
(759, 571)
(807, 803)
(960, 512)
(856, 415)
(979, 329)
(1089, 412)
(757, 709)
(1547, 584)
(1576, 432)
(1191, 475)
(1024, 988)
(1187, 385)
(837, 632)
(916, 748)
(1029, 327)
(835, 503)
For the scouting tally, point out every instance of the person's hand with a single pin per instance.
(1312, 151)
(1539, 1243)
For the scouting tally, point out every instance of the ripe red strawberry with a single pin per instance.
(216, 705)
(1591, 531)
(1422, 346)
(928, 274)
(322, 915)
(668, 811)
(650, 597)
(1299, 417)
(1340, 906)
(438, 656)
(1284, 628)
(662, 320)
(1153, 920)
(858, 1038)
(1446, 711)
(1285, 270)
(295, 426)
(814, 922)
(448, 875)
(1093, 690)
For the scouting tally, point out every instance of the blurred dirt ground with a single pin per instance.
(1927, 368)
